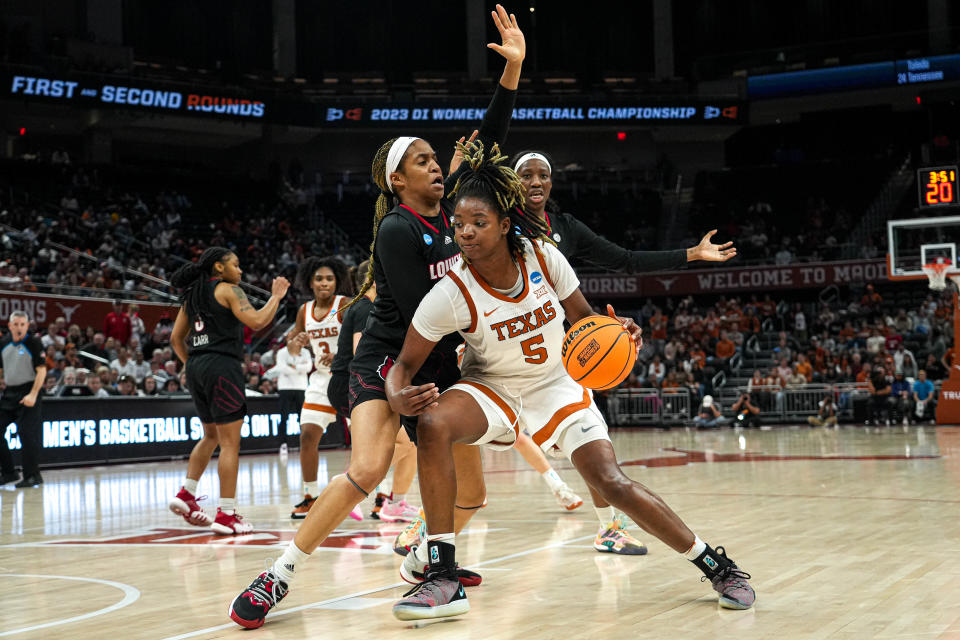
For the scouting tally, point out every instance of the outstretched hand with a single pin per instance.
(711, 252)
(635, 331)
(457, 159)
(513, 47)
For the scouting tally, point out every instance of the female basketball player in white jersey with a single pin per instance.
(412, 248)
(325, 280)
(513, 378)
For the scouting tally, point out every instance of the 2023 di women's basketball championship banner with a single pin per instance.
(758, 279)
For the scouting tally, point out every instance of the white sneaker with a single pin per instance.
(567, 498)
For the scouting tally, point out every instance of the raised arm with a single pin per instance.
(233, 297)
(603, 253)
(404, 398)
(496, 120)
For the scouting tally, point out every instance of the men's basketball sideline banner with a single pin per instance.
(86, 312)
(723, 280)
(84, 431)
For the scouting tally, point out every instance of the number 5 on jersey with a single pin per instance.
(534, 350)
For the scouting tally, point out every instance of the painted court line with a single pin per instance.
(324, 603)
(130, 595)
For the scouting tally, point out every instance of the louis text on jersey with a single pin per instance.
(439, 269)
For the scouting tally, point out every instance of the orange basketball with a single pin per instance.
(598, 352)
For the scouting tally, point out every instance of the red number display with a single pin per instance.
(938, 186)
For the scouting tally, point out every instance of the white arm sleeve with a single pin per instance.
(443, 310)
(565, 281)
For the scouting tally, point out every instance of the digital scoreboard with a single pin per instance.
(937, 187)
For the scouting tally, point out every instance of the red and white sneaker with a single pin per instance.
(229, 524)
(185, 504)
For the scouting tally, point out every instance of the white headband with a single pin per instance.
(532, 156)
(397, 149)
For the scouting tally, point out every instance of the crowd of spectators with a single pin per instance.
(117, 232)
(123, 357)
(896, 354)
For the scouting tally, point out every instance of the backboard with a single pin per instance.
(914, 242)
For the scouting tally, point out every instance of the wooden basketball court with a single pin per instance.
(849, 533)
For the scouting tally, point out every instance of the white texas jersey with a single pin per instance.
(324, 332)
(515, 338)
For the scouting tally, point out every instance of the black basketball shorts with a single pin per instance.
(372, 362)
(216, 384)
(338, 393)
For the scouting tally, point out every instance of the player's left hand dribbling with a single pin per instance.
(632, 327)
(414, 400)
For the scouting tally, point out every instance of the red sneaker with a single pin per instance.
(230, 524)
(185, 504)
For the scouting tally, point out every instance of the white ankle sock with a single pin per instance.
(228, 505)
(421, 552)
(191, 486)
(699, 546)
(312, 488)
(286, 565)
(552, 479)
(397, 497)
(605, 514)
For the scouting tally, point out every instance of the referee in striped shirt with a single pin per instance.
(24, 372)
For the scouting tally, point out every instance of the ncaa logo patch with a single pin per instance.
(427, 239)
(536, 277)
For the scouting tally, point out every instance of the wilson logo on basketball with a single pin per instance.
(588, 352)
(573, 335)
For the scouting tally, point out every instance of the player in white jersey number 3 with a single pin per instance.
(325, 280)
(508, 300)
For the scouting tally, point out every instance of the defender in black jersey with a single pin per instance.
(208, 338)
(412, 248)
(391, 506)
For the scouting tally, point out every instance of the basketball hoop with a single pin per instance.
(937, 273)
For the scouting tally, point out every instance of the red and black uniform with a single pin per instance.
(411, 254)
(215, 356)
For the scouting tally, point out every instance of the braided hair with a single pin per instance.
(309, 267)
(497, 185)
(190, 277)
(385, 202)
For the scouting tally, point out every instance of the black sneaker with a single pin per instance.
(251, 607)
(9, 477)
(29, 481)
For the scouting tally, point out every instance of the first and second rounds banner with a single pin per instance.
(230, 103)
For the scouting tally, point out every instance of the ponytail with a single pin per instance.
(190, 278)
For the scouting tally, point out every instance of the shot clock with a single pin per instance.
(938, 187)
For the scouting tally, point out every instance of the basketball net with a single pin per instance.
(937, 273)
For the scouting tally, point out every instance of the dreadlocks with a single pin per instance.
(308, 268)
(190, 277)
(499, 186)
